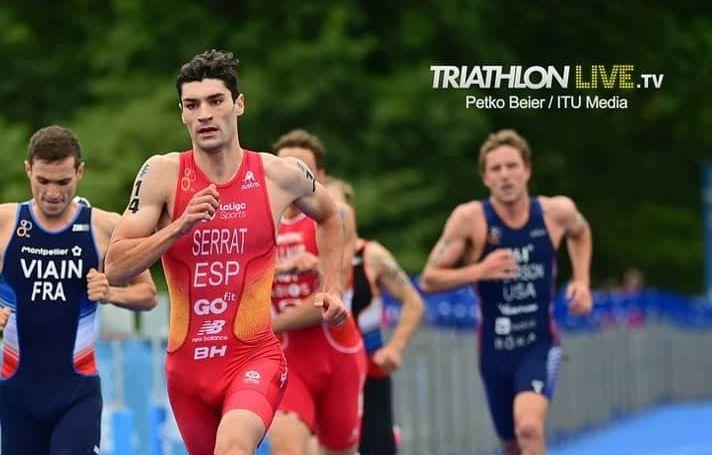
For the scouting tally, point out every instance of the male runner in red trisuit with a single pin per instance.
(212, 212)
(326, 364)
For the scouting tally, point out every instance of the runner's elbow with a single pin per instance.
(428, 282)
(418, 305)
(114, 274)
(151, 300)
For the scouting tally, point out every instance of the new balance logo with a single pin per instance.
(211, 327)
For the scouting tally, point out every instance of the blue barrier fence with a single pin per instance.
(458, 309)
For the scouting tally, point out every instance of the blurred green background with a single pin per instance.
(357, 74)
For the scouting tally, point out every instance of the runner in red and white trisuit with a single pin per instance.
(327, 365)
(211, 213)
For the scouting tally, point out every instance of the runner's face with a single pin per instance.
(210, 114)
(54, 184)
(506, 175)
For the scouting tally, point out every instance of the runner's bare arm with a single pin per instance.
(299, 316)
(390, 277)
(348, 222)
(579, 242)
(5, 313)
(580, 245)
(8, 214)
(138, 295)
(314, 200)
(306, 314)
(136, 244)
(442, 271)
(140, 292)
(578, 236)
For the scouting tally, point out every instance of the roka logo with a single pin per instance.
(204, 306)
(249, 181)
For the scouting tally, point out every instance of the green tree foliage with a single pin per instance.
(357, 74)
